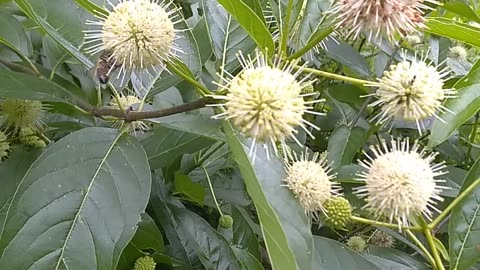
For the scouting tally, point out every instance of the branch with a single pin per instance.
(130, 115)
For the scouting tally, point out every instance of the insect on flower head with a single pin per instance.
(139, 34)
(265, 103)
(411, 91)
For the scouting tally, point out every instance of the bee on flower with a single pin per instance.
(411, 91)
(265, 103)
(138, 34)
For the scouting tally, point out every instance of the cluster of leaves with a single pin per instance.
(100, 198)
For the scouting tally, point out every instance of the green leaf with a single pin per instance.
(194, 124)
(165, 145)
(461, 8)
(396, 256)
(251, 23)
(12, 172)
(348, 56)
(248, 261)
(25, 86)
(226, 35)
(284, 224)
(71, 36)
(185, 186)
(331, 255)
(344, 144)
(464, 225)
(211, 248)
(243, 235)
(13, 35)
(464, 106)
(452, 29)
(147, 239)
(441, 248)
(78, 204)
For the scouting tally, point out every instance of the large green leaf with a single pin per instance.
(464, 225)
(251, 22)
(12, 172)
(148, 238)
(227, 37)
(78, 204)
(243, 235)
(453, 29)
(285, 227)
(13, 35)
(394, 259)
(344, 143)
(464, 106)
(348, 56)
(331, 255)
(165, 145)
(191, 238)
(211, 248)
(25, 86)
(68, 35)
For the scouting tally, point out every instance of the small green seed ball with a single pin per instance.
(144, 263)
(357, 243)
(338, 212)
(307, 89)
(225, 221)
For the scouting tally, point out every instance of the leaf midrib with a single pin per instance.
(457, 261)
(87, 192)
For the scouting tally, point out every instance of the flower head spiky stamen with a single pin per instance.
(311, 182)
(128, 102)
(400, 181)
(385, 17)
(411, 91)
(19, 114)
(4, 146)
(265, 103)
(140, 34)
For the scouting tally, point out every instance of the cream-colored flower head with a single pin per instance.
(311, 182)
(400, 181)
(127, 103)
(18, 113)
(411, 91)
(378, 18)
(140, 34)
(265, 103)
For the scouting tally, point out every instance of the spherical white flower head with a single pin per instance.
(127, 102)
(310, 181)
(400, 182)
(410, 91)
(265, 103)
(381, 17)
(139, 33)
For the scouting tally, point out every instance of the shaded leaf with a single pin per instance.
(78, 204)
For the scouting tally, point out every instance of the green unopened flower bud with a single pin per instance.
(458, 52)
(338, 212)
(307, 89)
(144, 263)
(27, 137)
(357, 243)
(19, 114)
(382, 239)
(4, 146)
(225, 221)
